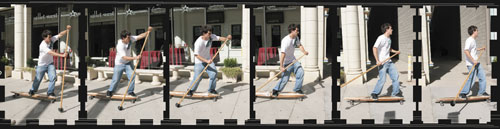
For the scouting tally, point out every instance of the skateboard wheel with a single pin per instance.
(60, 109)
(301, 99)
(170, 97)
(351, 102)
(177, 105)
(53, 101)
(488, 100)
(215, 99)
(401, 102)
(441, 103)
(133, 101)
(91, 97)
(120, 108)
(452, 103)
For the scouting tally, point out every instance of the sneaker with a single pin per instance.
(132, 94)
(31, 92)
(190, 93)
(299, 92)
(463, 96)
(374, 96)
(109, 94)
(52, 95)
(398, 95)
(213, 92)
(484, 94)
(275, 93)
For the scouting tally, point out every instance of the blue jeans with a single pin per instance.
(389, 68)
(117, 75)
(212, 74)
(40, 71)
(299, 75)
(479, 72)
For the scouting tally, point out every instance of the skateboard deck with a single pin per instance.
(35, 96)
(93, 95)
(351, 100)
(199, 95)
(441, 101)
(281, 95)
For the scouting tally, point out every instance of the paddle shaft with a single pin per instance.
(276, 75)
(64, 71)
(345, 84)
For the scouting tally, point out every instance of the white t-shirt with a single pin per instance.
(123, 49)
(470, 44)
(288, 47)
(202, 48)
(383, 45)
(44, 58)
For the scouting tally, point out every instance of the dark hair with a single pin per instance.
(385, 26)
(46, 33)
(471, 29)
(124, 34)
(292, 27)
(205, 29)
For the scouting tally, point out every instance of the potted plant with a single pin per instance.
(91, 73)
(30, 71)
(8, 69)
(230, 71)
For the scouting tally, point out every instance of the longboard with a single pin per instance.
(35, 96)
(351, 100)
(93, 95)
(281, 95)
(196, 95)
(441, 101)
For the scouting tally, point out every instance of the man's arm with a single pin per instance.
(62, 33)
(128, 58)
(143, 35)
(225, 38)
(282, 59)
(467, 54)
(203, 59)
(57, 54)
(303, 50)
(375, 54)
(394, 51)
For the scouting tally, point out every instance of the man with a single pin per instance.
(470, 50)
(46, 61)
(202, 47)
(124, 61)
(288, 44)
(381, 51)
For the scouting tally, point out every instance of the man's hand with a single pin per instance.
(68, 27)
(282, 69)
(208, 61)
(379, 63)
(480, 49)
(229, 37)
(137, 57)
(475, 62)
(150, 29)
(64, 55)
(306, 53)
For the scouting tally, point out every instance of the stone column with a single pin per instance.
(245, 44)
(309, 39)
(18, 41)
(350, 31)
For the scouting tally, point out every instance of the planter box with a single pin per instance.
(29, 75)
(8, 71)
(91, 74)
(229, 79)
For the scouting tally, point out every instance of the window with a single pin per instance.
(236, 33)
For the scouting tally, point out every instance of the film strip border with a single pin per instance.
(335, 120)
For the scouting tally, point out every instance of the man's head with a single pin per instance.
(293, 29)
(386, 28)
(472, 30)
(125, 36)
(206, 31)
(46, 34)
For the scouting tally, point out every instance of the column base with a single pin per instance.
(245, 78)
(358, 81)
(311, 75)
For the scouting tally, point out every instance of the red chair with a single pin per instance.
(111, 58)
